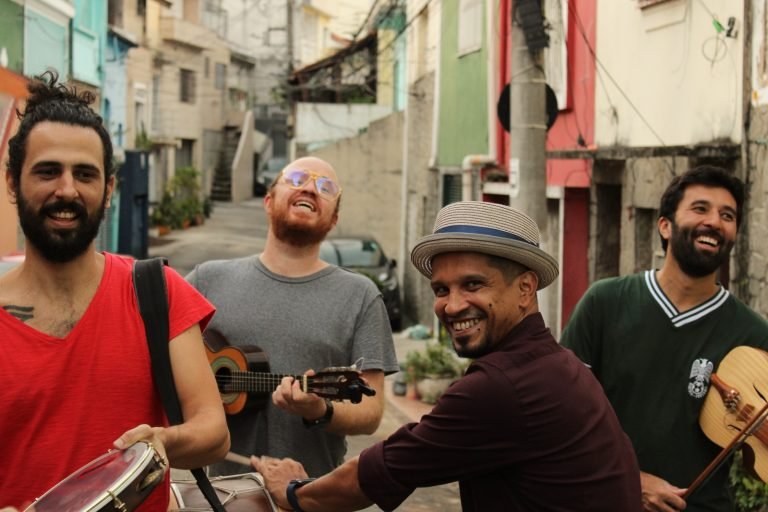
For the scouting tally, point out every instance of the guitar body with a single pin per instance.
(743, 370)
(226, 361)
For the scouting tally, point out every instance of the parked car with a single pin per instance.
(365, 255)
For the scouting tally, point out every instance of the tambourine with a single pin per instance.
(119, 480)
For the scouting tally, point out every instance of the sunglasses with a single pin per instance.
(298, 178)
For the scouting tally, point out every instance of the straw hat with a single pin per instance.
(489, 228)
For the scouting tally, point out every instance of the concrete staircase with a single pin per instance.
(221, 188)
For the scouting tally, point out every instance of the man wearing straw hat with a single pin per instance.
(527, 427)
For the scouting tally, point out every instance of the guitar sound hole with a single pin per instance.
(223, 379)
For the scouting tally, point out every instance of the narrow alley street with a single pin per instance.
(239, 229)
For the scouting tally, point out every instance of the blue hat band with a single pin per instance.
(479, 230)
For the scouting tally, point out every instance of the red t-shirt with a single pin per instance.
(63, 401)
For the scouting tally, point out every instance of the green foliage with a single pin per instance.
(142, 140)
(185, 183)
(436, 360)
(181, 200)
(167, 213)
(749, 493)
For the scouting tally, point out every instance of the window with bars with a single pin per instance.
(187, 86)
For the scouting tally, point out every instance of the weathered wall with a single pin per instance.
(668, 60)
(750, 278)
(423, 201)
(369, 167)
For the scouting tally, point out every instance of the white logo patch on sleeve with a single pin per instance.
(698, 384)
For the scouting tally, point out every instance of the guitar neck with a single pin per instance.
(256, 382)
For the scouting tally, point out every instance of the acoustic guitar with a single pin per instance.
(735, 409)
(244, 381)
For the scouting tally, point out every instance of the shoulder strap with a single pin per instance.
(152, 296)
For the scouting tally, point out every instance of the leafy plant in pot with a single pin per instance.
(432, 370)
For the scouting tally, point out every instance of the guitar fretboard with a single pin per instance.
(254, 382)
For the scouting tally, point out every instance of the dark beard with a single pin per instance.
(693, 262)
(299, 235)
(475, 352)
(58, 245)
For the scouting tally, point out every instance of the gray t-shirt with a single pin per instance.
(334, 317)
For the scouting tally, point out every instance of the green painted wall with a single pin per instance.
(46, 45)
(89, 38)
(12, 33)
(463, 116)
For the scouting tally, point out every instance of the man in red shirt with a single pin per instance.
(75, 371)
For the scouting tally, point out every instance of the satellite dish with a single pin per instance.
(502, 107)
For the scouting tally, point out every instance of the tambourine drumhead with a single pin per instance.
(98, 484)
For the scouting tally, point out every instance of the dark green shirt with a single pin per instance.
(655, 363)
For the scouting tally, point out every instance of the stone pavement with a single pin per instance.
(238, 229)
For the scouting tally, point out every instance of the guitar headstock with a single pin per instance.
(340, 383)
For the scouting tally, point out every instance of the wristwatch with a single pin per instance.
(290, 492)
(322, 420)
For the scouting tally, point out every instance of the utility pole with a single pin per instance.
(528, 121)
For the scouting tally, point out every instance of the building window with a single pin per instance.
(115, 13)
(645, 233)
(141, 7)
(608, 224)
(187, 86)
(470, 26)
(140, 113)
(155, 103)
(220, 80)
(184, 153)
(207, 67)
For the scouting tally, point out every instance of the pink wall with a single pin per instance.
(8, 219)
(577, 121)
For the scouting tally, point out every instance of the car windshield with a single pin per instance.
(353, 253)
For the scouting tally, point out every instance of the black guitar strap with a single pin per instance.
(152, 296)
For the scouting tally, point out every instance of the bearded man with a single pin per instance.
(653, 339)
(75, 364)
(305, 314)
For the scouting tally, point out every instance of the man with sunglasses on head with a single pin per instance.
(305, 314)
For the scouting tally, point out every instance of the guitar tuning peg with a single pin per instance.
(355, 394)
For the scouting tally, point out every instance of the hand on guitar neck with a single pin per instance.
(242, 374)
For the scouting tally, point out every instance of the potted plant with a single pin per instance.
(432, 370)
(166, 215)
(749, 493)
(180, 206)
